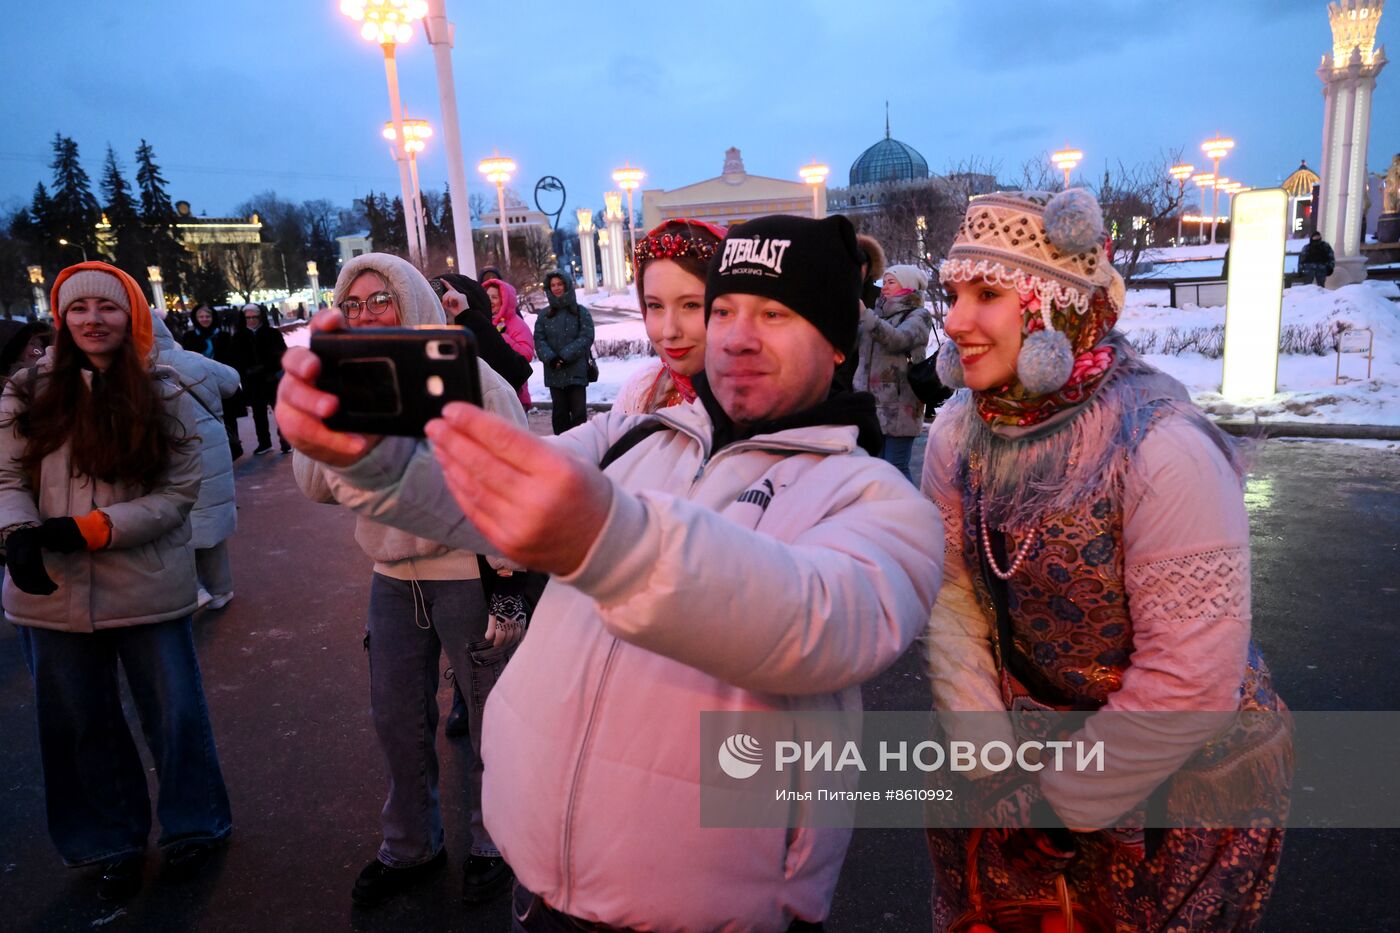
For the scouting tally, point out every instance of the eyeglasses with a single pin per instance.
(375, 305)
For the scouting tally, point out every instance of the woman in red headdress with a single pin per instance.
(671, 264)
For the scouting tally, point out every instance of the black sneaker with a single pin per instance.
(185, 860)
(263, 449)
(485, 877)
(121, 878)
(379, 882)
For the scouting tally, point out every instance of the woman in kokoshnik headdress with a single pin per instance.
(1097, 559)
(671, 263)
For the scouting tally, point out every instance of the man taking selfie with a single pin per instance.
(742, 552)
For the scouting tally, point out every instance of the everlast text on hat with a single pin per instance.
(762, 251)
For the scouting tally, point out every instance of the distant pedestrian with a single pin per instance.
(564, 342)
(893, 335)
(215, 517)
(671, 262)
(872, 278)
(99, 468)
(505, 315)
(258, 347)
(1317, 261)
(22, 345)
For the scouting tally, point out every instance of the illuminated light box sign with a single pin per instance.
(1254, 294)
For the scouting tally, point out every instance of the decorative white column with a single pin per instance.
(36, 281)
(585, 248)
(617, 251)
(605, 255)
(1348, 75)
(314, 275)
(157, 290)
(440, 36)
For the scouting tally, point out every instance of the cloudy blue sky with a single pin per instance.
(242, 96)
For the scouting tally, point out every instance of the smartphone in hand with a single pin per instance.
(394, 380)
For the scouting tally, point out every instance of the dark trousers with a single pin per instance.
(570, 407)
(94, 782)
(231, 426)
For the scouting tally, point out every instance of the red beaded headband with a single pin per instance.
(662, 243)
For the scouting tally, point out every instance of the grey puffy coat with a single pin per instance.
(564, 332)
(146, 572)
(892, 336)
(215, 515)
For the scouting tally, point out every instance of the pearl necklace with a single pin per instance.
(1021, 551)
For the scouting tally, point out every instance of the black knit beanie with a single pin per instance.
(812, 266)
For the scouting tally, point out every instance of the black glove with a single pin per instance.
(61, 535)
(558, 363)
(25, 559)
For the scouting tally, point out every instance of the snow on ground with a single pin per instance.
(1307, 390)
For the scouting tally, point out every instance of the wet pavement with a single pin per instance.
(286, 678)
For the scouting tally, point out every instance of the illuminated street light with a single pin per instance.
(815, 175)
(629, 179)
(498, 171)
(388, 23)
(1215, 150)
(1181, 173)
(78, 246)
(415, 133)
(1065, 160)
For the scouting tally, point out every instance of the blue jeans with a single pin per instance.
(410, 625)
(94, 782)
(897, 451)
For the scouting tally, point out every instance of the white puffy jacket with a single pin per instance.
(695, 597)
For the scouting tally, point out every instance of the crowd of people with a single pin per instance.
(739, 533)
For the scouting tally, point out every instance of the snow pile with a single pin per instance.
(1308, 390)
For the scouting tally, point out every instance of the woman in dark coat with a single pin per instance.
(563, 340)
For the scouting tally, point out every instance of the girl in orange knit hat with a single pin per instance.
(99, 467)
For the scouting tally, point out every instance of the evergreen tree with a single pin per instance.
(73, 212)
(33, 228)
(158, 214)
(128, 246)
(208, 282)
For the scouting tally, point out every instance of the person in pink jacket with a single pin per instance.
(1097, 560)
(741, 552)
(505, 314)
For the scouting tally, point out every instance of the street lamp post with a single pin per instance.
(1065, 160)
(1181, 173)
(389, 22)
(1215, 150)
(36, 281)
(1203, 181)
(78, 246)
(629, 179)
(585, 248)
(312, 273)
(498, 171)
(440, 35)
(416, 133)
(157, 289)
(814, 174)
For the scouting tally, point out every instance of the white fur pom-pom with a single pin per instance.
(1074, 221)
(1045, 362)
(949, 366)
